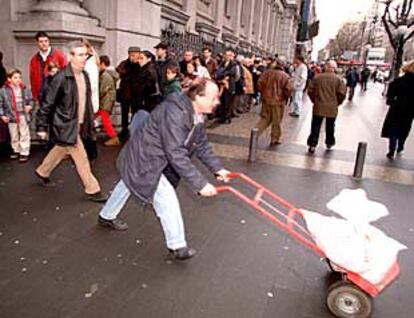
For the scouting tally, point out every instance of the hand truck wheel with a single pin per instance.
(346, 300)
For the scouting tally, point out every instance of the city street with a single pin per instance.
(56, 261)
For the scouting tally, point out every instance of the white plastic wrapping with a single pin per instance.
(354, 206)
(352, 243)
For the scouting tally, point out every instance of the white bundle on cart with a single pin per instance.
(352, 243)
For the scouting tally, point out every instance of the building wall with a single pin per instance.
(260, 26)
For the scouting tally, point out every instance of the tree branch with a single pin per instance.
(410, 5)
(387, 13)
(390, 36)
(409, 36)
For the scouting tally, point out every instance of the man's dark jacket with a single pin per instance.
(169, 136)
(161, 67)
(60, 110)
(128, 73)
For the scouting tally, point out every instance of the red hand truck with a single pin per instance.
(349, 297)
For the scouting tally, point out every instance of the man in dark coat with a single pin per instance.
(228, 74)
(68, 112)
(128, 71)
(163, 61)
(173, 132)
(397, 124)
(352, 79)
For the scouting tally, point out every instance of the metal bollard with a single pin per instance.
(360, 160)
(254, 137)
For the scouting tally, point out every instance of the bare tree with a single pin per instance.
(348, 38)
(399, 26)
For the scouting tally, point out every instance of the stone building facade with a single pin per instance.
(264, 27)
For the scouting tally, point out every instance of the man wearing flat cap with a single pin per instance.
(128, 71)
(163, 60)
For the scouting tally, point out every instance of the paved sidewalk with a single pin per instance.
(57, 262)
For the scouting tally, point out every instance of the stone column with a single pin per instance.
(219, 16)
(251, 18)
(237, 20)
(191, 10)
(265, 25)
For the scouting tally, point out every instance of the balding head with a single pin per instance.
(331, 66)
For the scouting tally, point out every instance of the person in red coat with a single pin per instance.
(40, 61)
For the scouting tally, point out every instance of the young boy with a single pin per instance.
(52, 69)
(16, 103)
(107, 95)
(173, 84)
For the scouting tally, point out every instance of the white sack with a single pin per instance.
(354, 206)
(362, 249)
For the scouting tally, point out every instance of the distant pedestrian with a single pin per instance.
(397, 124)
(4, 131)
(365, 75)
(92, 69)
(173, 84)
(128, 72)
(327, 91)
(352, 79)
(190, 75)
(172, 133)
(52, 69)
(202, 71)
(187, 58)
(68, 110)
(16, 104)
(146, 92)
(3, 72)
(40, 61)
(275, 87)
(107, 94)
(163, 61)
(300, 78)
(209, 62)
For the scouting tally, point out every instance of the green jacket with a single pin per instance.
(173, 86)
(107, 89)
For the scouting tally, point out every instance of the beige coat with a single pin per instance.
(327, 91)
(248, 81)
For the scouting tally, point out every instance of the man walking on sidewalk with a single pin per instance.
(275, 87)
(299, 82)
(67, 110)
(327, 91)
(166, 139)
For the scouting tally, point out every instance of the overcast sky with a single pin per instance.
(332, 13)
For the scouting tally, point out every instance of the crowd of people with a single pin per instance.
(164, 103)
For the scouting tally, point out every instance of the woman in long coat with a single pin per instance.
(146, 91)
(397, 124)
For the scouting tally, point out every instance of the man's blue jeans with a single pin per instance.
(166, 207)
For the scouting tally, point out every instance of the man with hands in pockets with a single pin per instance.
(158, 155)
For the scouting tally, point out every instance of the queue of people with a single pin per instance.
(164, 105)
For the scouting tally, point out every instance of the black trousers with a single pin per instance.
(351, 92)
(316, 128)
(226, 107)
(125, 109)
